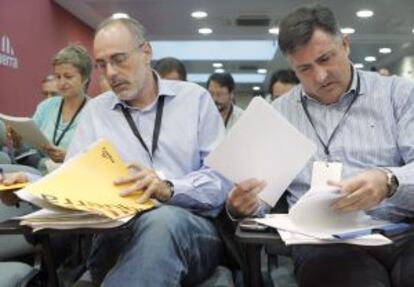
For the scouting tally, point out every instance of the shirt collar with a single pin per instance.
(163, 90)
(350, 91)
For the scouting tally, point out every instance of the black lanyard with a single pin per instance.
(57, 142)
(228, 116)
(303, 100)
(157, 126)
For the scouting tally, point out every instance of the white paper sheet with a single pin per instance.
(263, 145)
(292, 238)
(313, 214)
(291, 234)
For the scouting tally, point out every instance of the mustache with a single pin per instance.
(116, 81)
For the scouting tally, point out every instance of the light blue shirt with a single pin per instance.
(191, 127)
(45, 118)
(377, 131)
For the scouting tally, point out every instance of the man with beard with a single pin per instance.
(165, 129)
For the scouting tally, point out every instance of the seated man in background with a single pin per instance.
(49, 87)
(361, 121)
(281, 82)
(221, 87)
(171, 69)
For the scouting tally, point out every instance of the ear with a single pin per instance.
(147, 52)
(345, 44)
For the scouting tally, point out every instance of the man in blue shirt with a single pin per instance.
(166, 128)
(363, 125)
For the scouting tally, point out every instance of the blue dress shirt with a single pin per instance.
(191, 127)
(377, 131)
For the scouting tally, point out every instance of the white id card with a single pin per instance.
(323, 171)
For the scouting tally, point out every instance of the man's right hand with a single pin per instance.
(243, 199)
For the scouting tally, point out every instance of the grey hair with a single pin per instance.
(296, 29)
(136, 29)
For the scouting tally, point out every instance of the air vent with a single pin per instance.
(253, 21)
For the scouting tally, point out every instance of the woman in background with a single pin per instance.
(57, 117)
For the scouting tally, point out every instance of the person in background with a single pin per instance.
(281, 82)
(171, 69)
(363, 126)
(221, 87)
(49, 87)
(57, 117)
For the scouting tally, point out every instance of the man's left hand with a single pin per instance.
(363, 191)
(146, 180)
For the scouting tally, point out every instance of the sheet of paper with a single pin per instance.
(27, 129)
(263, 145)
(292, 238)
(313, 214)
(291, 234)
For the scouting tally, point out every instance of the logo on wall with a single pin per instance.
(7, 57)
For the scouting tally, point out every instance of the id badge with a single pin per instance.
(323, 171)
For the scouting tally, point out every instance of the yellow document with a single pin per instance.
(86, 183)
(12, 187)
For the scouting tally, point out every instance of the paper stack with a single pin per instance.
(81, 193)
(312, 221)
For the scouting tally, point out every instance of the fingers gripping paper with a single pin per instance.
(263, 145)
(86, 183)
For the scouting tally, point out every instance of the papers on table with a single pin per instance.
(313, 214)
(292, 238)
(312, 221)
(263, 145)
(68, 219)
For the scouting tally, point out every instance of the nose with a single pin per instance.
(110, 71)
(321, 74)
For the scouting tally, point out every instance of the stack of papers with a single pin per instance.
(81, 193)
(312, 221)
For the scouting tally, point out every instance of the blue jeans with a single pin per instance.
(168, 246)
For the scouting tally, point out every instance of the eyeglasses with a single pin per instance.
(117, 60)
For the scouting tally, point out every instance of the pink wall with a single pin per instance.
(37, 29)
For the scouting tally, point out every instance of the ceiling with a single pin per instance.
(391, 26)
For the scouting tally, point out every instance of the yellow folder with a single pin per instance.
(86, 183)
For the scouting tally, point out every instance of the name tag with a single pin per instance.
(323, 171)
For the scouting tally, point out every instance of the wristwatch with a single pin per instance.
(392, 181)
(171, 187)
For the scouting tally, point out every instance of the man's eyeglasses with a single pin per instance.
(117, 60)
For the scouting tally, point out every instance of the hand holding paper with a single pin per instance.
(263, 145)
(243, 198)
(363, 191)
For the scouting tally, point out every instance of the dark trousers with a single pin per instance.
(350, 265)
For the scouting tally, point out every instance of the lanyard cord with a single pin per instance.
(305, 108)
(157, 127)
(59, 139)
